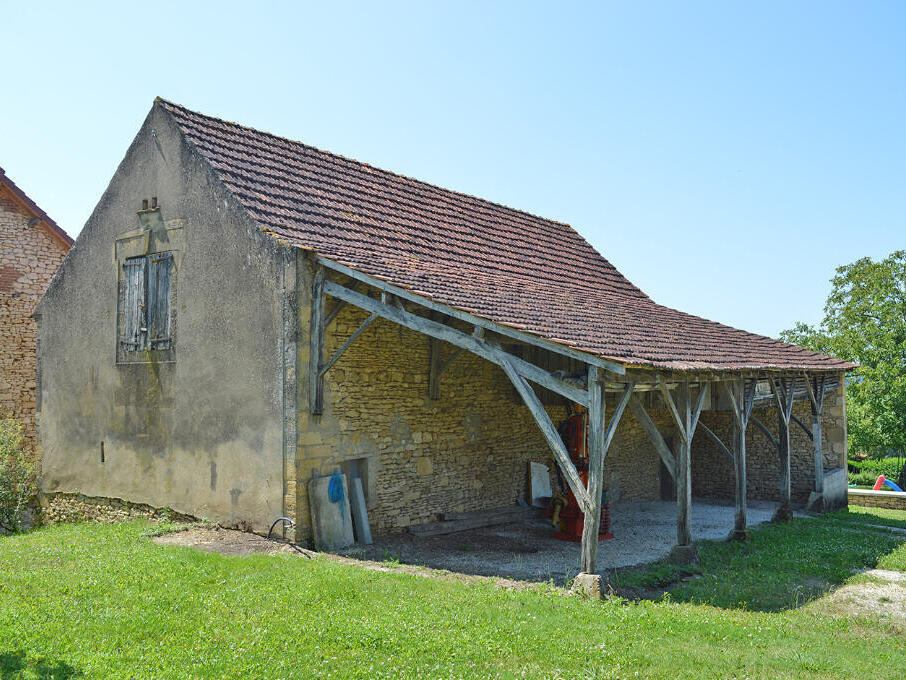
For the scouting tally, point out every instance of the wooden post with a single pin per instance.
(685, 417)
(596, 417)
(816, 398)
(741, 396)
(316, 344)
(599, 439)
(434, 368)
(783, 395)
(684, 468)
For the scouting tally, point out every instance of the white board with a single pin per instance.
(540, 476)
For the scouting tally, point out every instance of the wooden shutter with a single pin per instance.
(134, 304)
(160, 268)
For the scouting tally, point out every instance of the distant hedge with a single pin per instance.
(866, 472)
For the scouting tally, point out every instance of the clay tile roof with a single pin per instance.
(54, 228)
(501, 264)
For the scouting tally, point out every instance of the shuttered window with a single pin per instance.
(146, 302)
(134, 270)
(159, 268)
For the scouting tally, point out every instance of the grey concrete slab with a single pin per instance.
(644, 532)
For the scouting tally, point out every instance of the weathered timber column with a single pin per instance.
(816, 398)
(684, 469)
(741, 395)
(599, 438)
(783, 426)
(783, 395)
(740, 521)
(316, 344)
(686, 418)
(596, 417)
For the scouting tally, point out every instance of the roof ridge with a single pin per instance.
(497, 262)
(349, 159)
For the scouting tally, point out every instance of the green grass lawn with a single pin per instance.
(102, 601)
(782, 566)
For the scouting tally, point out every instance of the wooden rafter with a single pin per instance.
(654, 435)
(355, 334)
(720, 445)
(550, 434)
(474, 344)
(452, 312)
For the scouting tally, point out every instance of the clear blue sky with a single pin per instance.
(725, 156)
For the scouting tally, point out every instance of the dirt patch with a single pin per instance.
(881, 594)
(225, 542)
(238, 543)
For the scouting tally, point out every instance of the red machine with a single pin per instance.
(567, 515)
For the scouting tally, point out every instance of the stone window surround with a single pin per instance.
(155, 236)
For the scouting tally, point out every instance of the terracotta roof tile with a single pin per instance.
(502, 264)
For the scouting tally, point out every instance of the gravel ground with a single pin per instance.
(644, 532)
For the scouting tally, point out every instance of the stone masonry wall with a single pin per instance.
(466, 451)
(712, 471)
(59, 508)
(893, 500)
(29, 256)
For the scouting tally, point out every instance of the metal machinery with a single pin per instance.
(565, 511)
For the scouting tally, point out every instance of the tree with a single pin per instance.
(865, 322)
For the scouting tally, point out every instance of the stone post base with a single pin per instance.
(684, 554)
(815, 502)
(587, 585)
(784, 514)
(739, 535)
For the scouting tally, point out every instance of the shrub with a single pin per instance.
(18, 476)
(866, 472)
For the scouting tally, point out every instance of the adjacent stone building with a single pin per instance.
(243, 313)
(32, 246)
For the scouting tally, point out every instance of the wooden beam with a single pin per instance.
(458, 338)
(445, 364)
(671, 406)
(356, 333)
(720, 445)
(316, 344)
(654, 435)
(805, 428)
(434, 368)
(617, 414)
(338, 307)
(765, 431)
(421, 299)
(703, 392)
(550, 434)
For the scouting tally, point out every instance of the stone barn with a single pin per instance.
(32, 246)
(243, 314)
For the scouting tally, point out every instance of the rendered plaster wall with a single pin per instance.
(29, 256)
(202, 433)
(712, 471)
(467, 451)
